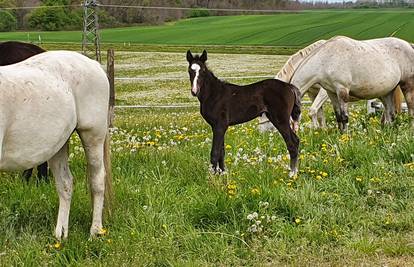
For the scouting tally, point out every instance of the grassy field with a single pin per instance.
(352, 203)
(282, 30)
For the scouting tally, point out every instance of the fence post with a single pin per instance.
(110, 69)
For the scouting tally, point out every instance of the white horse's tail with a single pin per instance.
(109, 194)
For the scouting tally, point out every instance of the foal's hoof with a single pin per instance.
(217, 170)
(293, 173)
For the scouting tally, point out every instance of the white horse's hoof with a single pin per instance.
(61, 232)
(97, 231)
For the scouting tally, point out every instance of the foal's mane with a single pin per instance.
(286, 72)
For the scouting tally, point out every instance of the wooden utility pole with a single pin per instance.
(110, 71)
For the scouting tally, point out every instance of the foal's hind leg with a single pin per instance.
(93, 143)
(291, 139)
(63, 177)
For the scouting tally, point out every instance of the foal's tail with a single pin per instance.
(297, 105)
(108, 174)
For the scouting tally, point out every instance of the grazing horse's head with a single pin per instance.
(196, 69)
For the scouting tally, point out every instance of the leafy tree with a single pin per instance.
(48, 19)
(56, 18)
(8, 21)
(7, 3)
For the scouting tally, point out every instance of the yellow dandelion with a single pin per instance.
(103, 231)
(318, 177)
(228, 146)
(57, 245)
(255, 191)
(298, 221)
(231, 193)
(324, 174)
(359, 178)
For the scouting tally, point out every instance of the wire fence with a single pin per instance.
(185, 78)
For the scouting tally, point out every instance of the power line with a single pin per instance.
(207, 9)
(159, 8)
(37, 7)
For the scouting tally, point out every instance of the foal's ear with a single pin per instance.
(190, 57)
(203, 57)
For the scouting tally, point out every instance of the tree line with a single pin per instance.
(69, 16)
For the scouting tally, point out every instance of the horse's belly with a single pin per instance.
(373, 89)
(36, 132)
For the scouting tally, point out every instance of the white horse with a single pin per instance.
(43, 100)
(348, 69)
(316, 93)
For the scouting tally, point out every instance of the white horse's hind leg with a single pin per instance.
(63, 177)
(408, 90)
(265, 124)
(93, 144)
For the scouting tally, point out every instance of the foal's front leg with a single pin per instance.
(217, 149)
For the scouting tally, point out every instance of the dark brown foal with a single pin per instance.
(223, 104)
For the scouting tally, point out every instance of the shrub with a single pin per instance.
(194, 13)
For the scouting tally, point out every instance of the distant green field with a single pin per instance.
(286, 30)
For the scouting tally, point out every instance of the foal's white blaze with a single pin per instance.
(195, 67)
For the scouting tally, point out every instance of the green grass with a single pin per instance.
(352, 203)
(279, 31)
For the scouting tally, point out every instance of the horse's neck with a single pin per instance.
(212, 88)
(304, 79)
(285, 74)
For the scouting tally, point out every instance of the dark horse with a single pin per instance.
(223, 104)
(12, 52)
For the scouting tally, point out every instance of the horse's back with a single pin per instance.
(43, 100)
(86, 80)
(372, 66)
